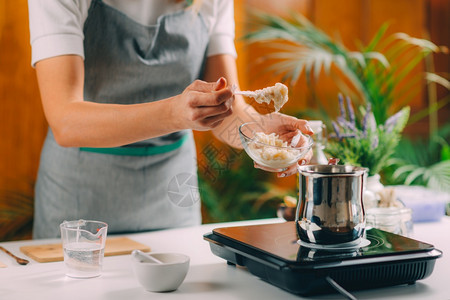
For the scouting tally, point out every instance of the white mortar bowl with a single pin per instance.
(164, 277)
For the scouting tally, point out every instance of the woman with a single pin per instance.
(120, 91)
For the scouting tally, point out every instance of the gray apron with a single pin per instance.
(141, 186)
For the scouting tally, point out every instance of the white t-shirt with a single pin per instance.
(56, 26)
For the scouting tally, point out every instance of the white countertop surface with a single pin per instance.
(209, 277)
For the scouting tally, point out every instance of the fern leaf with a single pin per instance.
(414, 175)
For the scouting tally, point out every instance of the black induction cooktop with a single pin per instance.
(273, 253)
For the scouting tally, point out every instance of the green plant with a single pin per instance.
(364, 142)
(232, 189)
(422, 162)
(16, 209)
(380, 73)
(382, 76)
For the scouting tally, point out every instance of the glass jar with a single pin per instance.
(372, 186)
(320, 141)
(397, 220)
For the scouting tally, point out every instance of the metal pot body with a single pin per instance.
(330, 207)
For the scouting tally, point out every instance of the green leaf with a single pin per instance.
(445, 152)
(426, 112)
(440, 179)
(431, 77)
(359, 57)
(403, 120)
(318, 65)
(414, 175)
(404, 169)
(422, 43)
(376, 39)
(378, 57)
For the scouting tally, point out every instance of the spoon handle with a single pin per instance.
(19, 260)
(245, 93)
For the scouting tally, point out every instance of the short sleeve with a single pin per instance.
(223, 29)
(56, 28)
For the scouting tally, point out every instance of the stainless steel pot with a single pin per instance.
(330, 207)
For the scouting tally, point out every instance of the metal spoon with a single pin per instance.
(19, 260)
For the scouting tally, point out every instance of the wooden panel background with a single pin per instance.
(23, 126)
(22, 123)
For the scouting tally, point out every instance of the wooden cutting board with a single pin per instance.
(54, 252)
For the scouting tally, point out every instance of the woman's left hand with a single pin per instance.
(287, 127)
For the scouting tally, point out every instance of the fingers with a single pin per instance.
(292, 170)
(303, 141)
(287, 136)
(306, 159)
(307, 129)
(204, 105)
(258, 166)
(289, 171)
(295, 138)
(210, 98)
(303, 126)
(206, 87)
(204, 112)
(214, 121)
(201, 93)
(281, 172)
(292, 124)
(220, 84)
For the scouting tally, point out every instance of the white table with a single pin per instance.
(209, 276)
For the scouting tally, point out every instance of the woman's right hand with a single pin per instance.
(202, 105)
(79, 123)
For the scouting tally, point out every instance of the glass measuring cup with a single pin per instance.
(84, 247)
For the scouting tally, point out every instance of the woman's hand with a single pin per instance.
(79, 123)
(203, 105)
(287, 127)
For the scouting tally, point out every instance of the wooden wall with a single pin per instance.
(354, 21)
(23, 126)
(22, 123)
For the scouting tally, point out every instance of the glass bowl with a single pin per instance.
(268, 149)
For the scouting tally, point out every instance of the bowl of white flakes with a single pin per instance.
(268, 149)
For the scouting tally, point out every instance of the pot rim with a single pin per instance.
(331, 170)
